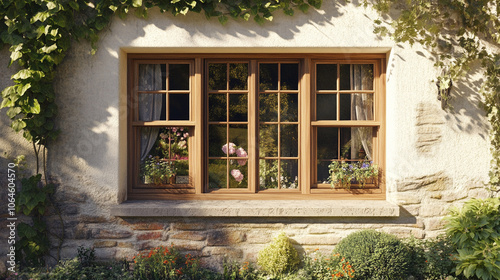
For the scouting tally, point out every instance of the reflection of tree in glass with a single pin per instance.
(238, 76)
(268, 107)
(268, 76)
(268, 140)
(238, 107)
(217, 78)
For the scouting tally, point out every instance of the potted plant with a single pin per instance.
(158, 171)
(343, 174)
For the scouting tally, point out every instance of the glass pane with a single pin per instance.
(268, 107)
(357, 142)
(238, 135)
(268, 174)
(289, 107)
(216, 140)
(289, 177)
(345, 142)
(217, 107)
(182, 172)
(323, 172)
(345, 77)
(357, 106)
(238, 174)
(238, 76)
(238, 107)
(326, 76)
(151, 107)
(217, 76)
(178, 107)
(362, 76)
(164, 154)
(289, 140)
(326, 107)
(289, 76)
(268, 76)
(178, 76)
(345, 107)
(268, 140)
(152, 77)
(217, 174)
(327, 142)
(356, 77)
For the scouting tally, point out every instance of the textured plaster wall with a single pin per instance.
(434, 158)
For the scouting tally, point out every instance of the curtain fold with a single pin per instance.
(150, 105)
(361, 109)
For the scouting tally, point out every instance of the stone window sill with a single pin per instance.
(256, 208)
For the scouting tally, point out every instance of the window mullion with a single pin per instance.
(306, 151)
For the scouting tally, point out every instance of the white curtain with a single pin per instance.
(150, 105)
(361, 109)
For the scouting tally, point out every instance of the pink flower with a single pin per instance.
(236, 173)
(186, 135)
(240, 152)
(232, 149)
(174, 129)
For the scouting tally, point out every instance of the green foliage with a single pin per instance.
(168, 263)
(74, 270)
(33, 201)
(432, 259)
(235, 271)
(279, 256)
(475, 230)
(375, 255)
(343, 173)
(457, 33)
(333, 267)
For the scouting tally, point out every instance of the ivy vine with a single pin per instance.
(458, 33)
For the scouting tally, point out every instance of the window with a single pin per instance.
(252, 126)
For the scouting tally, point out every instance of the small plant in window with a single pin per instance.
(168, 158)
(343, 174)
(158, 170)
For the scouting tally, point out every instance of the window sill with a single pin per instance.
(253, 208)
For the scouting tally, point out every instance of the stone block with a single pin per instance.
(126, 244)
(317, 239)
(149, 235)
(189, 235)
(111, 234)
(433, 224)
(479, 193)
(105, 253)
(92, 219)
(189, 226)
(433, 210)
(80, 232)
(189, 245)
(409, 198)
(258, 237)
(402, 232)
(147, 226)
(218, 238)
(230, 253)
(125, 253)
(104, 244)
(454, 196)
(320, 229)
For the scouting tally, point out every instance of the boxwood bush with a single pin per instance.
(376, 255)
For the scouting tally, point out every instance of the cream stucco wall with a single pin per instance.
(89, 159)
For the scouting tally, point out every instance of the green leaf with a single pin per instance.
(13, 112)
(223, 19)
(7, 102)
(40, 16)
(11, 39)
(9, 91)
(49, 49)
(136, 3)
(304, 8)
(100, 23)
(35, 107)
(18, 125)
(74, 5)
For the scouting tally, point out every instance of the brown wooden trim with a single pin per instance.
(308, 187)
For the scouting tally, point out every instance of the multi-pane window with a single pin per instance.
(251, 124)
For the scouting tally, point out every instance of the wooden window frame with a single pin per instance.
(199, 127)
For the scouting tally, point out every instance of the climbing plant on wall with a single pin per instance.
(459, 33)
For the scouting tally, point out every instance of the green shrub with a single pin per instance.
(475, 230)
(279, 256)
(431, 258)
(74, 270)
(376, 255)
(167, 263)
(334, 267)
